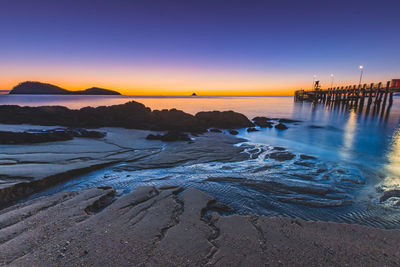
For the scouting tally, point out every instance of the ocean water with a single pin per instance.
(357, 159)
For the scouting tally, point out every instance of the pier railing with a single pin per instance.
(374, 93)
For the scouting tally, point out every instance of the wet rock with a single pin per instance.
(224, 119)
(265, 168)
(169, 137)
(304, 176)
(32, 136)
(252, 129)
(305, 164)
(315, 126)
(262, 122)
(233, 132)
(281, 156)
(281, 126)
(214, 130)
(278, 148)
(288, 120)
(307, 157)
(389, 194)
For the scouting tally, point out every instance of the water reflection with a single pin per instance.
(349, 134)
(392, 179)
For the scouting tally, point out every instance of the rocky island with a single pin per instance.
(38, 88)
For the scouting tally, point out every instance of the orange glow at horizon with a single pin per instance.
(156, 82)
(161, 80)
(163, 91)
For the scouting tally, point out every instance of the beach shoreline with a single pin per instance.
(155, 225)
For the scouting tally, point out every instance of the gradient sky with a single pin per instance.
(212, 47)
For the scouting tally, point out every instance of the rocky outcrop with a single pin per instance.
(131, 115)
(175, 227)
(31, 137)
(262, 122)
(38, 88)
(224, 119)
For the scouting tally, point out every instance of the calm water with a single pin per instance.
(357, 151)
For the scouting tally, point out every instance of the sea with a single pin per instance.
(355, 158)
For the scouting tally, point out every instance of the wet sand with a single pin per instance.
(170, 227)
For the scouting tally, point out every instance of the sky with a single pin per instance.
(211, 47)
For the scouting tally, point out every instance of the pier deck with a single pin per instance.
(374, 94)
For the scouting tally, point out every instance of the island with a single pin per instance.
(38, 88)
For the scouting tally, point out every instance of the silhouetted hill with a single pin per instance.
(38, 88)
(96, 91)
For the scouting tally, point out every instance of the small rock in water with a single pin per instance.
(252, 129)
(281, 126)
(279, 148)
(305, 164)
(305, 157)
(214, 130)
(262, 122)
(233, 132)
(282, 156)
(288, 120)
(389, 194)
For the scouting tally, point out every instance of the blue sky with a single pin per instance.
(163, 47)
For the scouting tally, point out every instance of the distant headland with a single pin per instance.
(38, 88)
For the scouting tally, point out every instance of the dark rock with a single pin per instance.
(281, 126)
(315, 127)
(262, 122)
(78, 132)
(252, 129)
(305, 164)
(154, 137)
(224, 119)
(233, 132)
(306, 157)
(30, 137)
(169, 137)
(214, 130)
(175, 120)
(389, 194)
(131, 115)
(279, 148)
(258, 118)
(288, 120)
(281, 156)
(303, 176)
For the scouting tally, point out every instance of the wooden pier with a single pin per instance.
(354, 95)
